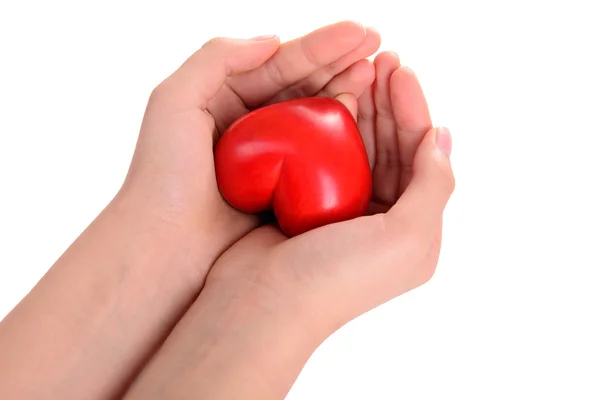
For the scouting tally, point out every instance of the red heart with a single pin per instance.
(303, 158)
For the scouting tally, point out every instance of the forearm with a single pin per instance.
(230, 346)
(100, 310)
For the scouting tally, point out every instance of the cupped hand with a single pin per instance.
(269, 301)
(345, 269)
(172, 175)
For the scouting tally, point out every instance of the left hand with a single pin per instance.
(172, 176)
(269, 301)
(100, 312)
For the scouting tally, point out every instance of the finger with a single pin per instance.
(432, 183)
(349, 101)
(320, 78)
(386, 172)
(411, 114)
(204, 73)
(354, 80)
(350, 84)
(366, 123)
(297, 60)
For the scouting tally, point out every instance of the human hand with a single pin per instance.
(269, 301)
(96, 317)
(172, 175)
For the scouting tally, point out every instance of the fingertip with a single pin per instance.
(331, 42)
(350, 102)
(370, 44)
(355, 24)
(372, 71)
(387, 58)
(347, 28)
(372, 31)
(405, 76)
(409, 71)
(411, 108)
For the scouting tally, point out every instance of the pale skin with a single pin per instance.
(172, 294)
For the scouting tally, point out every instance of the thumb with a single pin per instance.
(199, 78)
(432, 182)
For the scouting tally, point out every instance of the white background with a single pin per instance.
(513, 311)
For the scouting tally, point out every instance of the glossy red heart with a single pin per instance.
(303, 158)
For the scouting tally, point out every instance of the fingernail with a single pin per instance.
(444, 140)
(262, 37)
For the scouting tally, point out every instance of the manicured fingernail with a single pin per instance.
(444, 140)
(262, 37)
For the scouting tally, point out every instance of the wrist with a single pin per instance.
(234, 339)
(203, 229)
(263, 341)
(262, 350)
(183, 249)
(120, 286)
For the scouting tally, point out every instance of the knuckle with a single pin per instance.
(276, 73)
(309, 54)
(388, 158)
(330, 71)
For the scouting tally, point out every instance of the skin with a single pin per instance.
(170, 293)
